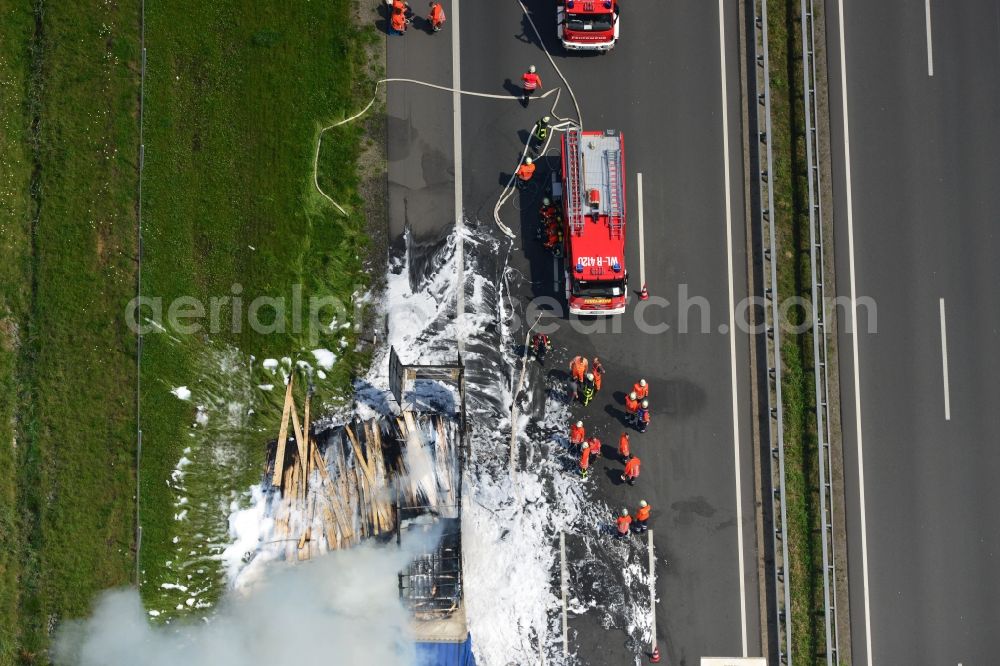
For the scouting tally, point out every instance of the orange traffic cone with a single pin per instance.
(644, 293)
(654, 658)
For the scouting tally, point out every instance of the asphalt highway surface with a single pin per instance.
(663, 88)
(916, 233)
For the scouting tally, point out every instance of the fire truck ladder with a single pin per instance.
(573, 190)
(615, 194)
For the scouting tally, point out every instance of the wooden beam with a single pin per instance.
(279, 455)
(362, 463)
(306, 431)
(300, 439)
(331, 494)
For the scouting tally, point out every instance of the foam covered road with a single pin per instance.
(661, 87)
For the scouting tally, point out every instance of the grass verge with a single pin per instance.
(16, 27)
(236, 93)
(794, 279)
(69, 92)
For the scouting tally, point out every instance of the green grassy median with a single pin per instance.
(794, 279)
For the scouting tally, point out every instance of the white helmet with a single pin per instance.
(579, 424)
(624, 512)
(632, 395)
(545, 119)
(532, 69)
(643, 503)
(527, 160)
(545, 201)
(645, 403)
(642, 382)
(590, 376)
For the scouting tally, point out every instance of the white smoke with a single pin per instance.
(344, 606)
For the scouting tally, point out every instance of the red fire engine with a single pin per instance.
(587, 25)
(593, 196)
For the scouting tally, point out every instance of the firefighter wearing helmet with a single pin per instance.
(623, 524)
(643, 416)
(531, 82)
(589, 388)
(542, 129)
(631, 407)
(526, 170)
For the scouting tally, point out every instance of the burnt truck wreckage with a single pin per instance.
(387, 478)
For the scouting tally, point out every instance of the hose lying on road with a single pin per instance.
(509, 188)
(319, 140)
(564, 124)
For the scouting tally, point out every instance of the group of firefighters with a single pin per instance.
(585, 381)
(550, 227)
(401, 16)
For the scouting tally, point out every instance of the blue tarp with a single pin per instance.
(446, 654)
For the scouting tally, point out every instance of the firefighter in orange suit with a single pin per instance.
(436, 16)
(631, 407)
(624, 447)
(623, 523)
(577, 435)
(642, 516)
(526, 170)
(631, 472)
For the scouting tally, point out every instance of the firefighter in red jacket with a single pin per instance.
(642, 516)
(541, 344)
(526, 170)
(598, 369)
(436, 17)
(397, 22)
(624, 448)
(553, 238)
(595, 448)
(631, 472)
(546, 217)
(577, 435)
(624, 522)
(631, 407)
(584, 461)
(531, 82)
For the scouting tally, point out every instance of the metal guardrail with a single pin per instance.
(772, 322)
(817, 257)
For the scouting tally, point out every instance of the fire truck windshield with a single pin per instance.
(590, 22)
(598, 288)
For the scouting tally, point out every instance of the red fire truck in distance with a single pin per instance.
(593, 196)
(587, 25)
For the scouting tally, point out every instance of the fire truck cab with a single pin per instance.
(593, 196)
(587, 25)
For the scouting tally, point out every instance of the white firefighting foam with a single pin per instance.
(511, 523)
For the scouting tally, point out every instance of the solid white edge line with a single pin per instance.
(854, 334)
(930, 47)
(642, 237)
(563, 583)
(456, 103)
(732, 326)
(944, 365)
(652, 590)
